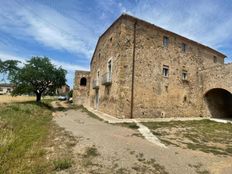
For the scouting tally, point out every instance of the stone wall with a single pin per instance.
(154, 94)
(81, 92)
(217, 77)
(108, 48)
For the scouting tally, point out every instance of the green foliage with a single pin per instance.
(62, 164)
(9, 67)
(91, 152)
(70, 94)
(24, 127)
(38, 76)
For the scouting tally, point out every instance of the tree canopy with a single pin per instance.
(9, 68)
(38, 76)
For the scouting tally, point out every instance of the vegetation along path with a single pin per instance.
(119, 148)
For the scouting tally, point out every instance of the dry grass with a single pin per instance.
(204, 135)
(30, 142)
(10, 99)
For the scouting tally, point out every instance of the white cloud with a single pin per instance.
(47, 26)
(201, 21)
(70, 67)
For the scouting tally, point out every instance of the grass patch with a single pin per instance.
(198, 169)
(91, 152)
(62, 164)
(24, 127)
(128, 125)
(28, 138)
(204, 135)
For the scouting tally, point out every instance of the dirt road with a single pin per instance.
(118, 149)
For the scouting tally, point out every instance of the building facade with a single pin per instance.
(141, 70)
(6, 89)
(81, 88)
(64, 90)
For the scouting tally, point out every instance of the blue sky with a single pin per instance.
(67, 30)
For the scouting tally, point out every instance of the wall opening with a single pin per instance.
(83, 81)
(219, 102)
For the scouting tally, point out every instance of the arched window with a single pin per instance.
(83, 81)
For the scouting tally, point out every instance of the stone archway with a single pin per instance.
(219, 102)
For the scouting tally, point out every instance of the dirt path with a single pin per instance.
(121, 150)
(59, 104)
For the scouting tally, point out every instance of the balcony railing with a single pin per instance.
(95, 84)
(106, 79)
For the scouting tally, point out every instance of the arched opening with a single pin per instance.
(83, 81)
(219, 102)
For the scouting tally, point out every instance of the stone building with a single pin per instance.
(81, 88)
(6, 89)
(141, 70)
(64, 90)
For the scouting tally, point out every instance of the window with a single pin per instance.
(184, 47)
(184, 75)
(98, 75)
(185, 99)
(83, 81)
(1, 89)
(165, 41)
(166, 88)
(165, 70)
(109, 68)
(214, 59)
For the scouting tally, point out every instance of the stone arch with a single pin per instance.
(219, 102)
(83, 81)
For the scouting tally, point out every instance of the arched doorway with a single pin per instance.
(219, 102)
(83, 81)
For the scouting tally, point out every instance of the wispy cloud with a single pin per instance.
(67, 31)
(71, 68)
(46, 26)
(208, 22)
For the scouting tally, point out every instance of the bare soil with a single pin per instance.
(107, 148)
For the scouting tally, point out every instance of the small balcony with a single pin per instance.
(106, 79)
(95, 84)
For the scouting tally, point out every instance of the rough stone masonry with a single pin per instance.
(139, 70)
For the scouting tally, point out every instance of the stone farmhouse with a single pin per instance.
(139, 70)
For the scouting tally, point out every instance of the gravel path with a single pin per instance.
(122, 147)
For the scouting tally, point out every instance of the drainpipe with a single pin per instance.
(133, 71)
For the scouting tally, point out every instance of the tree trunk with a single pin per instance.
(38, 97)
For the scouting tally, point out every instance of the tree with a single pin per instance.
(9, 68)
(38, 76)
(70, 93)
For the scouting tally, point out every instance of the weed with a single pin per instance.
(128, 125)
(62, 164)
(91, 152)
